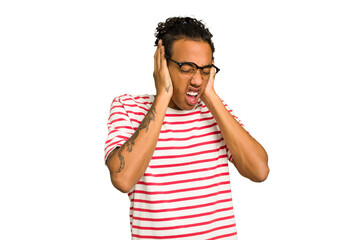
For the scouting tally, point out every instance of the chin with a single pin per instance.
(188, 106)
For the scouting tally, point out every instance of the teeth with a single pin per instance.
(192, 93)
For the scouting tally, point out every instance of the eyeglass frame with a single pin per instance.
(197, 67)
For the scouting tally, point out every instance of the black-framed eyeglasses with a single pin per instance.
(189, 69)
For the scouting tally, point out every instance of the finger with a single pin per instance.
(155, 56)
(163, 61)
(212, 71)
(157, 49)
(159, 54)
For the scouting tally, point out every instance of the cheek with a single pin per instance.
(179, 84)
(205, 82)
(179, 91)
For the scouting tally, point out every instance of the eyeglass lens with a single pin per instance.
(190, 70)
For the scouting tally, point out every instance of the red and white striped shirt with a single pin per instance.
(185, 191)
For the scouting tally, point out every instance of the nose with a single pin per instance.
(196, 80)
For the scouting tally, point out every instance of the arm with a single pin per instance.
(128, 163)
(249, 157)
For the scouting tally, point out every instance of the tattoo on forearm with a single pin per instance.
(150, 116)
(168, 87)
(121, 158)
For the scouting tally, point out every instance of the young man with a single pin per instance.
(170, 151)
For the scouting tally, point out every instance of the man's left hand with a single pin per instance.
(209, 89)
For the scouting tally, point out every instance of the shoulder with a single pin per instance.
(232, 112)
(203, 106)
(134, 99)
(134, 105)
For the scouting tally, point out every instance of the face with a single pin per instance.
(188, 91)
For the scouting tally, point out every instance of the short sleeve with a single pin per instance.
(229, 155)
(119, 126)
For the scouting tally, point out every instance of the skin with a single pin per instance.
(128, 163)
(185, 50)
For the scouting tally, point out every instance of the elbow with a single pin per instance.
(121, 184)
(261, 175)
(123, 189)
(263, 169)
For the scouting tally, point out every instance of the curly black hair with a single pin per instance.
(176, 28)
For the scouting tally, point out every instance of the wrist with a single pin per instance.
(163, 98)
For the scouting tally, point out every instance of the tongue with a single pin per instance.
(191, 100)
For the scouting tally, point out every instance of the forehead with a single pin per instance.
(185, 50)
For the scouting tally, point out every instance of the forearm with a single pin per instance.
(249, 157)
(128, 163)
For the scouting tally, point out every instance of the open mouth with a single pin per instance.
(192, 97)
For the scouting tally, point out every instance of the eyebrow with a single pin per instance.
(208, 65)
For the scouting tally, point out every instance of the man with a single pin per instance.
(170, 151)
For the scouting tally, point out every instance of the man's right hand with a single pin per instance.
(128, 163)
(161, 74)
